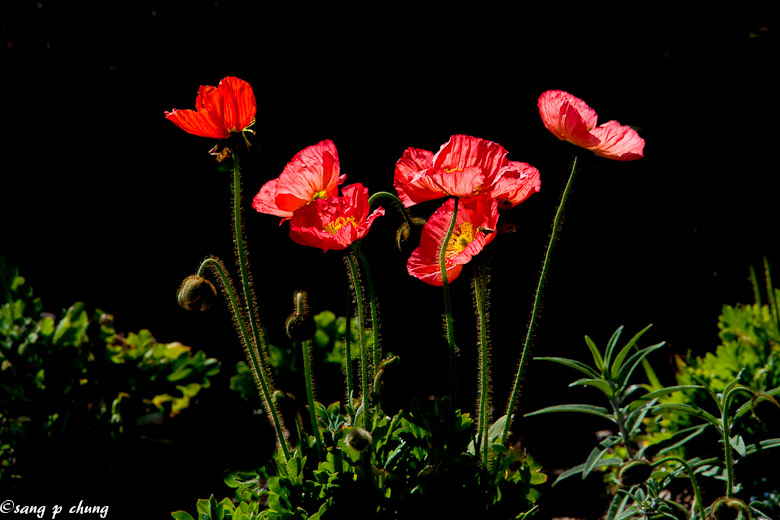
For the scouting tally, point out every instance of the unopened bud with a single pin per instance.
(300, 325)
(196, 293)
(766, 409)
(359, 439)
(635, 472)
(729, 509)
(407, 233)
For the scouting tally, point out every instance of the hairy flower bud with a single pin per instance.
(196, 293)
(409, 234)
(359, 439)
(766, 409)
(300, 325)
(635, 472)
(729, 509)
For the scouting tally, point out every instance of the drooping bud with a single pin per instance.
(729, 509)
(300, 326)
(196, 293)
(406, 233)
(766, 409)
(359, 439)
(635, 472)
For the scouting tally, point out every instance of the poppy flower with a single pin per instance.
(228, 108)
(474, 224)
(464, 166)
(334, 222)
(312, 174)
(571, 119)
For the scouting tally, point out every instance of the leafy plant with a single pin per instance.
(73, 378)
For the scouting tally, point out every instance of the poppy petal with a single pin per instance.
(618, 142)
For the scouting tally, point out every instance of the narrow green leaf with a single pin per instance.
(690, 410)
(597, 453)
(618, 363)
(738, 443)
(618, 505)
(611, 346)
(632, 362)
(600, 384)
(578, 469)
(576, 408)
(762, 445)
(668, 390)
(181, 515)
(571, 363)
(594, 351)
(680, 438)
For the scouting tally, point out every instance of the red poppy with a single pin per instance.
(571, 119)
(334, 222)
(229, 107)
(312, 174)
(464, 166)
(474, 224)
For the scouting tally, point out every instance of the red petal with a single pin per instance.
(196, 123)
(618, 142)
(568, 117)
(413, 162)
(515, 183)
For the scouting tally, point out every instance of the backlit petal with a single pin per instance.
(618, 142)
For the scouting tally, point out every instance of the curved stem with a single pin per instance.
(725, 427)
(481, 300)
(258, 369)
(376, 348)
(348, 351)
(694, 483)
(450, 329)
(364, 376)
(525, 353)
(396, 201)
(307, 374)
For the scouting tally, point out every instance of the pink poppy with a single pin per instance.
(474, 229)
(312, 174)
(571, 119)
(229, 107)
(334, 222)
(464, 166)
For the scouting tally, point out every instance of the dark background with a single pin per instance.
(104, 201)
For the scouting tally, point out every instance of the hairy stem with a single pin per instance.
(365, 390)
(694, 482)
(525, 353)
(309, 378)
(259, 370)
(396, 201)
(481, 301)
(450, 329)
(376, 348)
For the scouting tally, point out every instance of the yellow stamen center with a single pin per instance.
(461, 237)
(334, 226)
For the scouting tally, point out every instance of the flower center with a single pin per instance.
(318, 195)
(461, 237)
(333, 226)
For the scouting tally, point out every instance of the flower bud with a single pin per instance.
(359, 439)
(766, 409)
(407, 233)
(300, 325)
(635, 472)
(729, 508)
(196, 293)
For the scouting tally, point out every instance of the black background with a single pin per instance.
(104, 201)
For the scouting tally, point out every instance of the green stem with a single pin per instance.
(481, 299)
(377, 348)
(725, 426)
(525, 354)
(450, 329)
(396, 201)
(694, 483)
(364, 375)
(253, 356)
(348, 351)
(242, 260)
(309, 378)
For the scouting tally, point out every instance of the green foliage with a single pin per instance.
(419, 463)
(73, 376)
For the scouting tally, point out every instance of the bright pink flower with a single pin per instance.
(229, 107)
(334, 222)
(464, 166)
(474, 229)
(312, 174)
(571, 119)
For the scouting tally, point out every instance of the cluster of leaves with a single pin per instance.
(72, 378)
(643, 472)
(418, 463)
